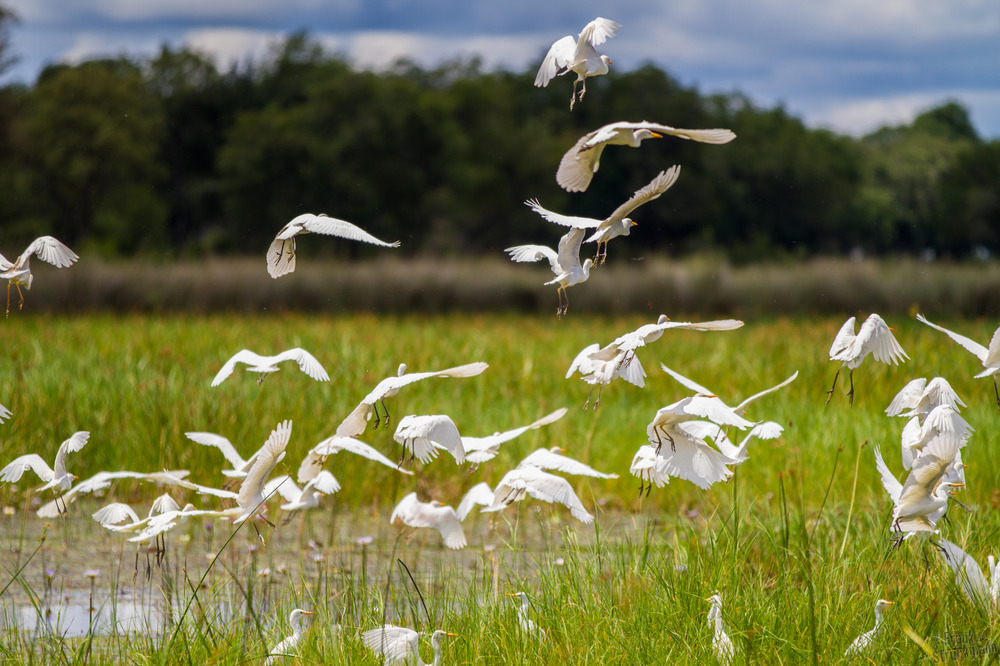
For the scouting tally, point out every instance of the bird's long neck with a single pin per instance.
(436, 644)
(878, 622)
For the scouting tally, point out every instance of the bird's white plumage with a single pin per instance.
(565, 263)
(4, 413)
(970, 578)
(313, 461)
(411, 511)
(578, 55)
(861, 643)
(399, 645)
(478, 495)
(628, 343)
(298, 620)
(579, 164)
(264, 364)
(722, 644)
(480, 449)
(553, 460)
(540, 485)
(250, 496)
(281, 253)
(423, 435)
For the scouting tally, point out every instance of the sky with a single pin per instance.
(848, 65)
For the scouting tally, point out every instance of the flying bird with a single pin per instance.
(988, 356)
(875, 338)
(565, 263)
(4, 413)
(481, 449)
(618, 223)
(411, 511)
(265, 364)
(281, 254)
(578, 166)
(314, 460)
(18, 273)
(100, 481)
(861, 643)
(531, 481)
(306, 497)
(424, 435)
(579, 56)
(627, 344)
(55, 477)
(919, 397)
(355, 422)
(399, 645)
(601, 373)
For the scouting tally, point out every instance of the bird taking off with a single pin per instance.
(875, 338)
(18, 273)
(281, 254)
(579, 56)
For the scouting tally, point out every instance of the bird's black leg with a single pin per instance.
(996, 390)
(587, 404)
(8, 310)
(600, 390)
(829, 394)
(850, 394)
(385, 412)
(377, 417)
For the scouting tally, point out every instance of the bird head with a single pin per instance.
(882, 604)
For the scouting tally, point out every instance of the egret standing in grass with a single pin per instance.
(298, 620)
(528, 627)
(281, 254)
(862, 642)
(399, 645)
(721, 643)
(579, 56)
(18, 273)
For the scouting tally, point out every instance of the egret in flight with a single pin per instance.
(314, 460)
(265, 364)
(875, 338)
(578, 166)
(565, 263)
(579, 56)
(55, 477)
(281, 254)
(411, 511)
(988, 356)
(399, 645)
(618, 223)
(18, 273)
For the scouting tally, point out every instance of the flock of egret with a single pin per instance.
(687, 439)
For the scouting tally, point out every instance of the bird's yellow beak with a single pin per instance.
(308, 612)
(610, 62)
(891, 603)
(656, 135)
(634, 224)
(447, 633)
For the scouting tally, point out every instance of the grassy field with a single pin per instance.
(797, 543)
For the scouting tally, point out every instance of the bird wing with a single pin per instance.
(542, 486)
(889, 480)
(481, 449)
(876, 336)
(280, 258)
(579, 164)
(397, 382)
(478, 494)
(968, 574)
(422, 514)
(768, 391)
(336, 444)
(663, 181)
(569, 251)
(977, 349)
(51, 251)
(713, 409)
(992, 359)
(242, 356)
(354, 423)
(307, 363)
(273, 451)
(396, 645)
(928, 469)
(283, 486)
(526, 253)
(716, 136)
(331, 226)
(325, 483)
(403, 508)
(690, 384)
(12, 473)
(546, 459)
(845, 336)
(598, 31)
(558, 56)
(76, 442)
(564, 220)
(172, 480)
(907, 398)
(114, 513)
(224, 445)
(164, 503)
(695, 461)
(426, 432)
(583, 363)
(940, 392)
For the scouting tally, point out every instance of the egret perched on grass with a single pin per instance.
(861, 643)
(298, 620)
(399, 645)
(875, 338)
(314, 460)
(523, 621)
(18, 273)
(281, 254)
(56, 478)
(721, 643)
(354, 424)
(618, 223)
(565, 263)
(265, 364)
(579, 56)
(988, 356)
(579, 164)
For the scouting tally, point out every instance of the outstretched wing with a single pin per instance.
(977, 349)
(478, 494)
(243, 356)
(307, 363)
(51, 251)
(663, 181)
(13, 472)
(224, 445)
(558, 56)
(564, 220)
(331, 226)
(716, 136)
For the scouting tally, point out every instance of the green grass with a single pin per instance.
(798, 563)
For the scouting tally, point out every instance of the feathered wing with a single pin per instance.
(582, 363)
(13, 472)
(972, 346)
(307, 363)
(223, 444)
(660, 184)
(354, 423)
(889, 480)
(284, 487)
(424, 434)
(331, 226)
(479, 494)
(564, 220)
(689, 384)
(273, 451)
(281, 257)
(599, 31)
(716, 136)
(51, 251)
(579, 164)
(115, 513)
(558, 56)
(396, 645)
(907, 398)
(529, 253)
(539, 485)
(76, 442)
(876, 335)
(546, 459)
(768, 391)
(569, 251)
(845, 336)
(968, 574)
(4, 413)
(243, 356)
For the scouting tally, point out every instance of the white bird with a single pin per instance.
(565, 263)
(166, 520)
(481, 449)
(251, 496)
(411, 511)
(307, 497)
(942, 421)
(553, 459)
(618, 223)
(281, 254)
(18, 273)
(721, 643)
(969, 576)
(601, 373)
(264, 364)
(923, 497)
(648, 468)
(861, 643)
(988, 356)
(479, 494)
(113, 515)
(57, 478)
(314, 460)
(399, 645)
(698, 388)
(875, 338)
(298, 620)
(626, 345)
(4, 413)
(100, 481)
(528, 627)
(663, 425)
(422, 436)
(919, 397)
(354, 424)
(578, 166)
(531, 481)
(240, 466)
(579, 56)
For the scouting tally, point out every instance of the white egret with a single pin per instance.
(698, 388)
(601, 373)
(411, 511)
(690, 457)
(861, 643)
(721, 643)
(565, 263)
(54, 477)
(354, 424)
(738, 452)
(479, 494)
(306, 497)
(164, 521)
(648, 468)
(298, 620)
(579, 56)
(399, 645)
(481, 449)
(618, 223)
(969, 576)
(265, 364)
(553, 459)
(281, 254)
(919, 397)
(100, 481)
(923, 496)
(240, 466)
(988, 356)
(626, 345)
(942, 421)
(4, 413)
(18, 273)
(688, 409)
(531, 481)
(314, 460)
(528, 627)
(578, 166)
(875, 338)
(423, 435)
(251, 496)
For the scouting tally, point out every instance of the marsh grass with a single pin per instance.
(797, 543)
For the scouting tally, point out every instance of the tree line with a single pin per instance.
(173, 156)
